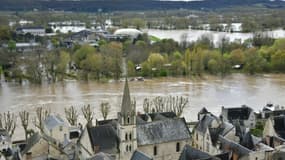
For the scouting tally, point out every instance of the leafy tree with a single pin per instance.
(12, 45)
(278, 60)
(253, 61)
(114, 52)
(213, 66)
(81, 54)
(237, 57)
(198, 65)
(61, 67)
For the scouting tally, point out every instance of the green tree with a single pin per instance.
(237, 57)
(278, 61)
(12, 45)
(82, 53)
(63, 62)
(253, 61)
(113, 53)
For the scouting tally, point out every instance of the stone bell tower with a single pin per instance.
(127, 126)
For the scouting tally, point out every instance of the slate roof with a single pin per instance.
(156, 116)
(203, 111)
(137, 155)
(34, 139)
(279, 126)
(112, 122)
(239, 113)
(247, 141)
(190, 153)
(126, 107)
(223, 130)
(104, 136)
(233, 146)
(101, 156)
(162, 131)
(205, 122)
(53, 121)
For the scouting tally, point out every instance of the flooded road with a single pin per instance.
(210, 92)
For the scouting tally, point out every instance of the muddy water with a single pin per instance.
(210, 92)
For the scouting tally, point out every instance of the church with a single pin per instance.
(157, 136)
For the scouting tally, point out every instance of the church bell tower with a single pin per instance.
(127, 125)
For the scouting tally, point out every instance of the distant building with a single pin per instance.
(36, 31)
(243, 115)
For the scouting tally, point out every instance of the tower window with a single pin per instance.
(155, 150)
(126, 136)
(130, 136)
(130, 148)
(128, 120)
(127, 148)
(177, 147)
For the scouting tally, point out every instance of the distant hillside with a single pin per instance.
(115, 5)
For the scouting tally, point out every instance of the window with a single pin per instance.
(130, 148)
(128, 120)
(177, 147)
(130, 136)
(127, 148)
(196, 136)
(60, 128)
(155, 150)
(126, 136)
(208, 147)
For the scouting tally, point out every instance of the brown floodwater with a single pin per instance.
(210, 92)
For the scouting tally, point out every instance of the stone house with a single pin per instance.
(274, 131)
(243, 115)
(207, 131)
(54, 126)
(42, 147)
(5, 140)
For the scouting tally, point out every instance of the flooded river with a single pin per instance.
(194, 35)
(210, 92)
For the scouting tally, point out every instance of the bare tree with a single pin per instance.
(147, 105)
(105, 109)
(71, 115)
(88, 114)
(166, 104)
(24, 116)
(8, 122)
(41, 115)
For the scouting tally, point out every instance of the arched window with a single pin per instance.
(130, 148)
(155, 150)
(126, 136)
(128, 120)
(130, 136)
(177, 147)
(127, 148)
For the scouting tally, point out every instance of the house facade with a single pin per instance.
(243, 115)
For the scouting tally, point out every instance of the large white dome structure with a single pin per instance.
(133, 33)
